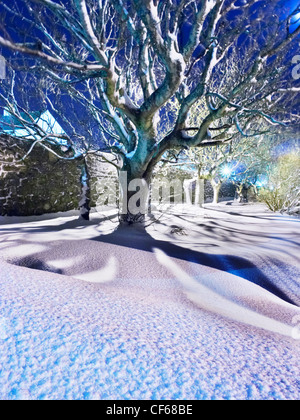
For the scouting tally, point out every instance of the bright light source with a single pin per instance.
(261, 182)
(227, 170)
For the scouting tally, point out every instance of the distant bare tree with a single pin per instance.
(137, 69)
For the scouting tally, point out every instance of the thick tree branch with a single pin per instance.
(102, 71)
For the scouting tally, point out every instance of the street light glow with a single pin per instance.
(227, 170)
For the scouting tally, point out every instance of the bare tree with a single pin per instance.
(26, 117)
(125, 62)
(233, 162)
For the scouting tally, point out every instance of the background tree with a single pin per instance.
(121, 64)
(281, 189)
(215, 164)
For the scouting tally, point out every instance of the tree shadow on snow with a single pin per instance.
(139, 239)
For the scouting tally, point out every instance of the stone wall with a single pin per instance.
(43, 183)
(100, 172)
(40, 184)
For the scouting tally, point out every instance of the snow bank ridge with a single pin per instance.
(219, 303)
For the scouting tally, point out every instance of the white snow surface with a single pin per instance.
(203, 305)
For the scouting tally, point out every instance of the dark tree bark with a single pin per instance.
(84, 204)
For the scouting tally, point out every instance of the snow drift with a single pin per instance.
(88, 311)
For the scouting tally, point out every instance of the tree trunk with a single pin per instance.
(134, 197)
(199, 193)
(241, 194)
(216, 188)
(187, 191)
(84, 204)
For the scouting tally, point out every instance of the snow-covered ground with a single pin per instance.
(203, 305)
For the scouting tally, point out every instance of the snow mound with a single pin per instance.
(112, 313)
